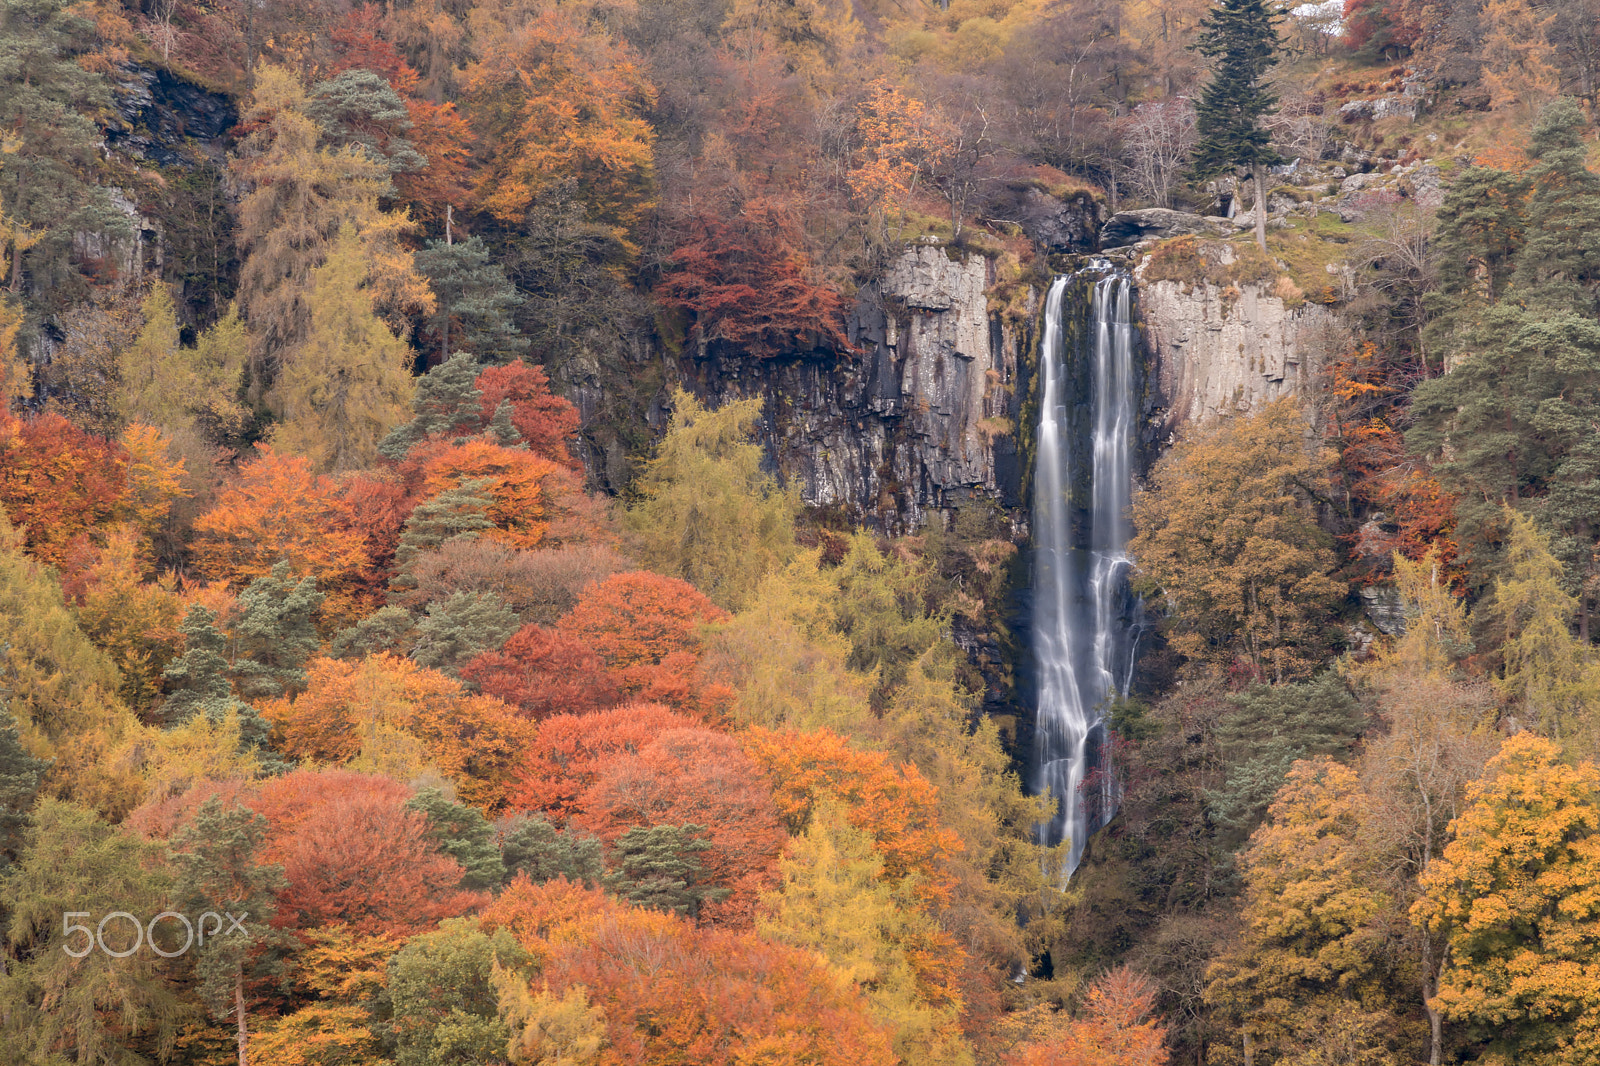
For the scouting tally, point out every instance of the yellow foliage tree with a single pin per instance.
(135, 623)
(1514, 894)
(1229, 545)
(1519, 62)
(350, 383)
(835, 901)
(155, 477)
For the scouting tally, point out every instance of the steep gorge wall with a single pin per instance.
(1217, 352)
(924, 416)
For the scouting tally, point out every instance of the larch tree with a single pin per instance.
(1241, 39)
(347, 385)
(709, 513)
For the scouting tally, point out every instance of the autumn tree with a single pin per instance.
(61, 689)
(646, 628)
(545, 421)
(544, 672)
(64, 996)
(134, 622)
(559, 99)
(899, 145)
(1312, 939)
(1229, 544)
(344, 388)
(389, 714)
(279, 508)
(1507, 892)
(568, 751)
(710, 514)
(699, 777)
(833, 899)
(301, 194)
(354, 854)
(58, 483)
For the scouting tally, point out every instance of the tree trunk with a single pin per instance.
(1249, 1049)
(1261, 204)
(238, 1010)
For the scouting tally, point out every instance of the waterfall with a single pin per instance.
(1085, 619)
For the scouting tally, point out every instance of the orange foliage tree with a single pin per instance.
(647, 630)
(544, 672)
(703, 777)
(892, 803)
(1117, 1026)
(671, 992)
(277, 508)
(523, 484)
(353, 854)
(559, 101)
(477, 741)
(568, 751)
(545, 420)
(58, 483)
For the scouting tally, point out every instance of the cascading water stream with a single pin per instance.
(1085, 618)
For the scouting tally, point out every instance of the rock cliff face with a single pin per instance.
(922, 418)
(1217, 352)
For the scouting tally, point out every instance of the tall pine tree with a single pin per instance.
(1240, 37)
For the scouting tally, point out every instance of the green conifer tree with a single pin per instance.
(461, 512)
(1241, 38)
(446, 400)
(199, 680)
(658, 866)
(476, 302)
(531, 845)
(466, 624)
(360, 108)
(462, 833)
(218, 874)
(441, 1002)
(275, 634)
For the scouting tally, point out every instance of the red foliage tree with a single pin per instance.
(544, 673)
(703, 777)
(743, 281)
(363, 860)
(58, 483)
(569, 750)
(646, 629)
(545, 420)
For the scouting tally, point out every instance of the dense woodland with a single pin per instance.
(364, 572)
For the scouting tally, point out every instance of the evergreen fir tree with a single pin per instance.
(462, 833)
(465, 625)
(533, 846)
(386, 629)
(446, 401)
(218, 872)
(275, 634)
(1559, 267)
(476, 302)
(357, 107)
(461, 512)
(1241, 37)
(501, 428)
(659, 866)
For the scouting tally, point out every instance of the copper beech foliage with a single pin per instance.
(568, 752)
(60, 485)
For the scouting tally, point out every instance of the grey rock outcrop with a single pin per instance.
(1157, 223)
(922, 418)
(1216, 353)
(1057, 225)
